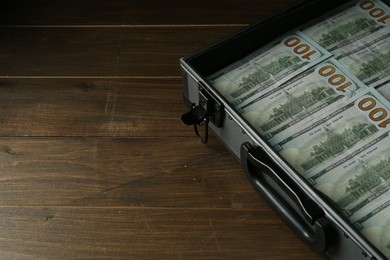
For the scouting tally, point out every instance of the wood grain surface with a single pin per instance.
(94, 162)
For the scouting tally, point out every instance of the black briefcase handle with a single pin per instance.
(311, 225)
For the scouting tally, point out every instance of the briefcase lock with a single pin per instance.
(208, 110)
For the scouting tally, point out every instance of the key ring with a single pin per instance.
(204, 138)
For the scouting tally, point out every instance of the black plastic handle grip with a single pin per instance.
(310, 225)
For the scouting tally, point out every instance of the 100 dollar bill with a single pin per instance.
(369, 58)
(350, 23)
(374, 224)
(299, 98)
(267, 67)
(359, 178)
(336, 133)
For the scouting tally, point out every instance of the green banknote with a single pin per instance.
(369, 58)
(359, 178)
(374, 224)
(336, 133)
(384, 90)
(270, 66)
(300, 98)
(349, 23)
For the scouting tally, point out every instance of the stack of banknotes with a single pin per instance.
(320, 97)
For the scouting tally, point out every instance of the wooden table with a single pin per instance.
(94, 162)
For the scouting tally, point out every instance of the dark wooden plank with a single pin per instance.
(144, 233)
(160, 172)
(92, 107)
(146, 52)
(88, 12)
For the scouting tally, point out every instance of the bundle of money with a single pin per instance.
(348, 24)
(320, 97)
(368, 58)
(335, 132)
(301, 98)
(358, 35)
(374, 224)
(268, 67)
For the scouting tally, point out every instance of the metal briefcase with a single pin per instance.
(313, 217)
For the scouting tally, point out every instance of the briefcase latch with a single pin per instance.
(208, 110)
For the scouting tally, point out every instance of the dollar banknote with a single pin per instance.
(267, 67)
(384, 90)
(336, 133)
(369, 58)
(360, 184)
(300, 98)
(374, 224)
(359, 178)
(349, 23)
